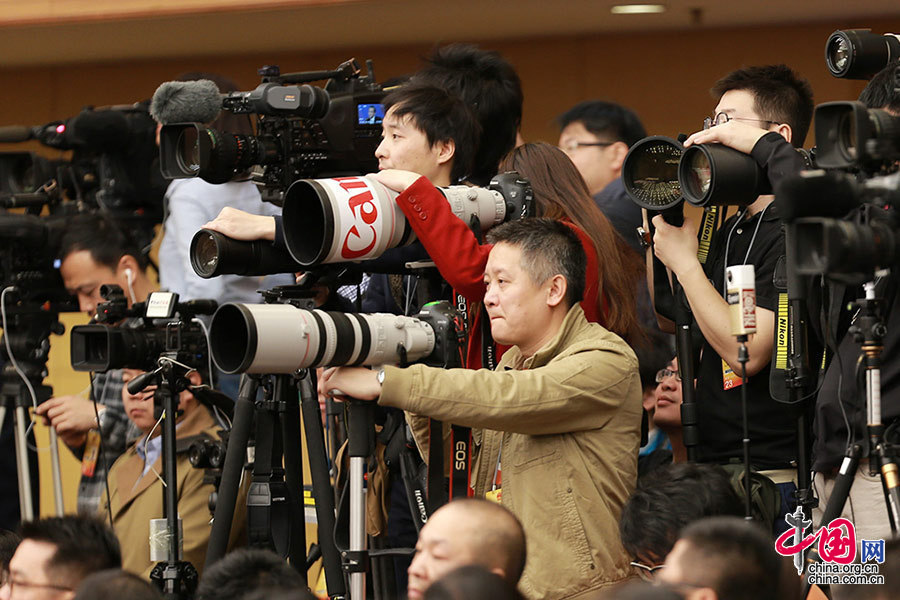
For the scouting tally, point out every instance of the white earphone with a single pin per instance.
(129, 278)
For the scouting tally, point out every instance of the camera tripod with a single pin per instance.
(868, 331)
(25, 343)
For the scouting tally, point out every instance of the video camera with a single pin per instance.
(112, 168)
(859, 53)
(302, 131)
(167, 327)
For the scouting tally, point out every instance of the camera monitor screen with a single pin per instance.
(370, 114)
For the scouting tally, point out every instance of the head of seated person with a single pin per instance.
(243, 571)
(116, 584)
(94, 250)
(140, 406)
(666, 500)
(534, 274)
(467, 532)
(472, 582)
(56, 554)
(428, 131)
(724, 557)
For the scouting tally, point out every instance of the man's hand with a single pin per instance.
(354, 382)
(396, 179)
(241, 225)
(735, 134)
(676, 247)
(71, 416)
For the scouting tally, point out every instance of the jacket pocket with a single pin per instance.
(527, 451)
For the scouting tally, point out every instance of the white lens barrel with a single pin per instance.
(487, 205)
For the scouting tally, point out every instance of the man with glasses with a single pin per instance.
(761, 111)
(596, 135)
(56, 554)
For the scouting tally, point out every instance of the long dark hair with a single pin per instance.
(560, 193)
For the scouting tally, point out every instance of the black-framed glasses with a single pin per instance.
(646, 572)
(664, 374)
(573, 145)
(12, 583)
(722, 118)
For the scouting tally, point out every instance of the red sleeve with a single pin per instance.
(449, 242)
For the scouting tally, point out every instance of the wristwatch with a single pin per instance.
(380, 376)
(644, 237)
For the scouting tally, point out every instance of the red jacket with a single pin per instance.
(461, 260)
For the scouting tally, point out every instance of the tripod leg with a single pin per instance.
(231, 470)
(57, 475)
(24, 472)
(323, 491)
(360, 446)
(293, 470)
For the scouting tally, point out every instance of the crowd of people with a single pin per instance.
(571, 390)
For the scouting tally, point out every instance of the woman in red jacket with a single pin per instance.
(613, 271)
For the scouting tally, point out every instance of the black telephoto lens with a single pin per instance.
(859, 53)
(713, 174)
(214, 254)
(650, 173)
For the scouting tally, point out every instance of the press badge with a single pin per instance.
(91, 453)
(495, 495)
(730, 379)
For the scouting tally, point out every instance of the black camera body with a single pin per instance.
(166, 327)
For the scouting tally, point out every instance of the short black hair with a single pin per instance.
(116, 584)
(669, 498)
(490, 85)
(471, 581)
(641, 590)
(442, 116)
(100, 235)
(734, 557)
(84, 545)
(549, 248)
(656, 354)
(244, 570)
(606, 120)
(780, 95)
(9, 541)
(883, 90)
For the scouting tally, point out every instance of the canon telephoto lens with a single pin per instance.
(650, 173)
(281, 338)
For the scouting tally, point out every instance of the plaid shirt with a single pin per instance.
(117, 432)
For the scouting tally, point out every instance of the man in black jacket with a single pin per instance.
(764, 112)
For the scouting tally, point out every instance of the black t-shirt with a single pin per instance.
(829, 427)
(772, 425)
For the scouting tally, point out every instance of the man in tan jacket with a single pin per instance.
(560, 415)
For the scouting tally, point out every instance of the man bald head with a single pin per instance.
(467, 532)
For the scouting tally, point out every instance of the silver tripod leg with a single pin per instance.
(57, 473)
(357, 523)
(25, 497)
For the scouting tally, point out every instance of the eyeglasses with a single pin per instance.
(664, 374)
(646, 572)
(12, 583)
(575, 145)
(722, 118)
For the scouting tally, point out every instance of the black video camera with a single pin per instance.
(167, 327)
(302, 132)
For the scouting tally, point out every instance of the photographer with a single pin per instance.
(761, 111)
(840, 415)
(95, 251)
(563, 407)
(136, 485)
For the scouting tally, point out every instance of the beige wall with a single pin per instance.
(665, 77)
